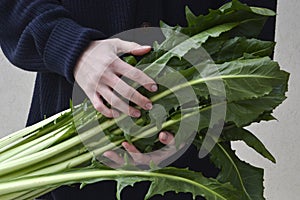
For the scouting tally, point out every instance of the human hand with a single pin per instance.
(98, 72)
(139, 158)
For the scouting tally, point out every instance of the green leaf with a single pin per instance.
(242, 79)
(250, 77)
(243, 176)
(158, 115)
(158, 65)
(228, 50)
(263, 11)
(249, 84)
(253, 18)
(127, 181)
(244, 112)
(179, 45)
(130, 60)
(235, 134)
(184, 180)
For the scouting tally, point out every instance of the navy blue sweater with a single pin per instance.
(47, 37)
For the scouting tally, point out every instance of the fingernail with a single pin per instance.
(149, 106)
(154, 88)
(106, 154)
(136, 114)
(164, 136)
(125, 145)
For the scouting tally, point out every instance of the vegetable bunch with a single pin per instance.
(49, 154)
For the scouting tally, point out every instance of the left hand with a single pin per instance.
(144, 159)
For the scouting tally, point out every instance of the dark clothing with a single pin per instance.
(47, 36)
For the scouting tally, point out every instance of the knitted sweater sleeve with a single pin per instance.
(40, 35)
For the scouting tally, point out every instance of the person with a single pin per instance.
(67, 40)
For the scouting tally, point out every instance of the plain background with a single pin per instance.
(281, 137)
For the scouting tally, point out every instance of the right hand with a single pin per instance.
(98, 72)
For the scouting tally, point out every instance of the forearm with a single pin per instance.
(40, 35)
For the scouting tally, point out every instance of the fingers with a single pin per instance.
(130, 47)
(132, 95)
(145, 159)
(141, 50)
(113, 156)
(102, 108)
(166, 138)
(97, 73)
(122, 88)
(117, 103)
(136, 155)
(140, 158)
(129, 93)
(123, 68)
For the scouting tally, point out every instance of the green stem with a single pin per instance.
(62, 157)
(18, 136)
(33, 146)
(76, 161)
(89, 175)
(12, 196)
(38, 156)
(52, 151)
(25, 195)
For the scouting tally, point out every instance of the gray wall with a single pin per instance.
(281, 137)
(16, 87)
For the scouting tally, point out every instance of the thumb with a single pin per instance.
(131, 47)
(141, 50)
